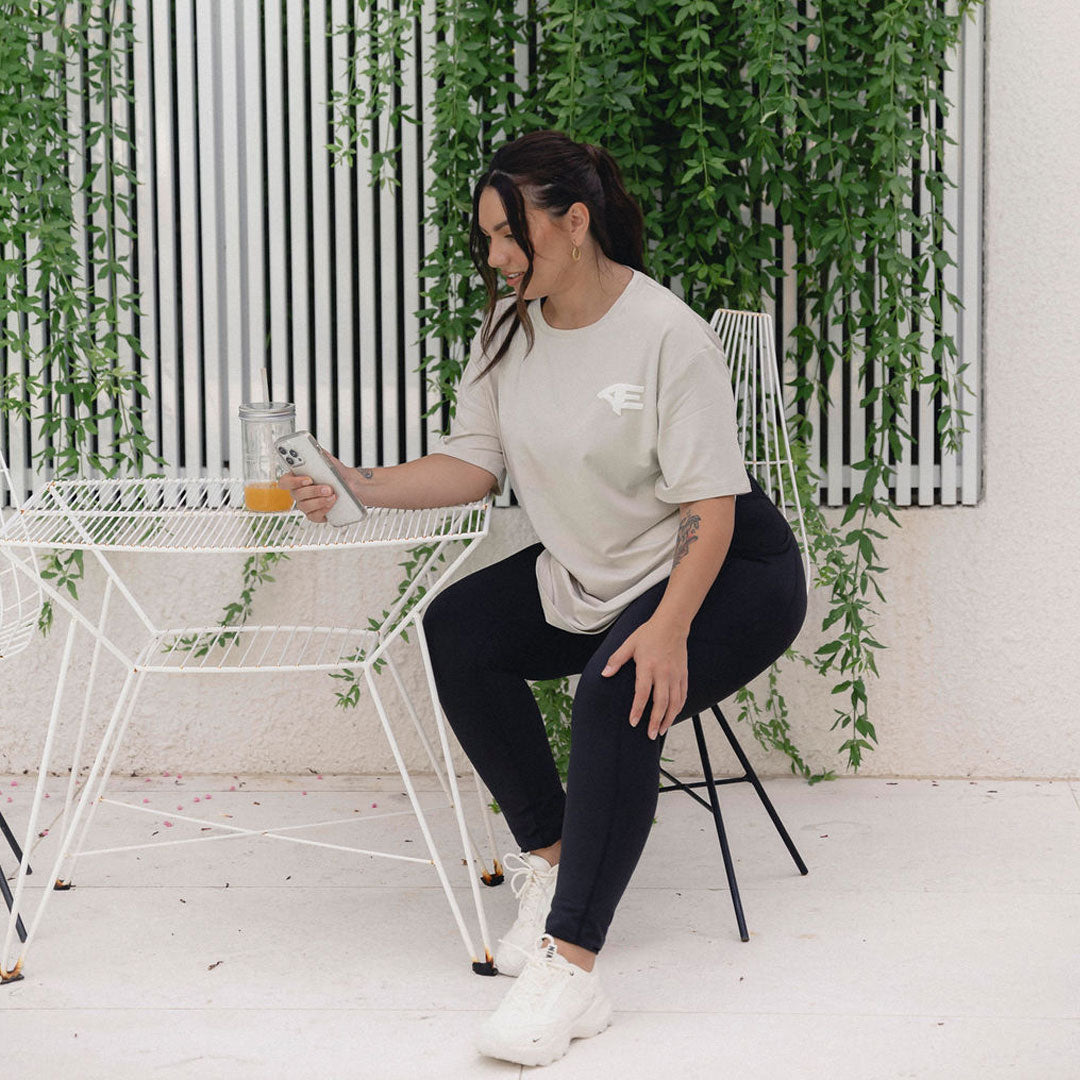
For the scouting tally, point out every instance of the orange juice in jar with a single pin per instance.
(266, 498)
(261, 422)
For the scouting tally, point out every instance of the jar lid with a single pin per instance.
(268, 410)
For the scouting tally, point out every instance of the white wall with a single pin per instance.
(981, 676)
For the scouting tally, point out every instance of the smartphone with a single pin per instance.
(301, 454)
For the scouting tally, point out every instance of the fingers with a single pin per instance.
(313, 500)
(642, 686)
(668, 696)
(619, 657)
(675, 704)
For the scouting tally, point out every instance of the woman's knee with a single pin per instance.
(447, 619)
(606, 700)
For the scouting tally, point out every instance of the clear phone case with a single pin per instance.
(301, 454)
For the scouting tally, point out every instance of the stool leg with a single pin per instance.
(5, 891)
(9, 836)
(752, 777)
(729, 868)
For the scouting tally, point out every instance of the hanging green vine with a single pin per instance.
(717, 109)
(60, 329)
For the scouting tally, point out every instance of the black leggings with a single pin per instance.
(487, 635)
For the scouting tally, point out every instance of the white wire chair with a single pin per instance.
(20, 594)
(750, 348)
(747, 338)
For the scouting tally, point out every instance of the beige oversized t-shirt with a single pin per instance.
(603, 431)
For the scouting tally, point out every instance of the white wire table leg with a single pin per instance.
(485, 874)
(76, 757)
(65, 840)
(440, 726)
(14, 972)
(105, 777)
(422, 820)
(485, 816)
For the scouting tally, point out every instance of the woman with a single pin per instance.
(663, 575)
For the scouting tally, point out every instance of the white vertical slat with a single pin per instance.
(123, 224)
(215, 260)
(276, 168)
(77, 175)
(168, 324)
(36, 335)
(902, 476)
(186, 136)
(237, 269)
(411, 396)
(254, 314)
(343, 234)
(18, 442)
(856, 418)
(927, 434)
(146, 208)
(431, 236)
(970, 112)
(835, 414)
(320, 224)
(100, 288)
(768, 302)
(389, 259)
(949, 274)
(881, 490)
(788, 310)
(365, 197)
(298, 216)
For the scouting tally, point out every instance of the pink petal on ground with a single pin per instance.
(168, 824)
(303, 792)
(232, 787)
(374, 805)
(166, 774)
(146, 800)
(197, 798)
(10, 799)
(179, 776)
(318, 777)
(179, 808)
(47, 795)
(14, 783)
(207, 798)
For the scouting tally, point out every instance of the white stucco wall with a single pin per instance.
(981, 676)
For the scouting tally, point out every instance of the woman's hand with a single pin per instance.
(658, 649)
(313, 500)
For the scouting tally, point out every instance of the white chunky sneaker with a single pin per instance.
(552, 1002)
(532, 878)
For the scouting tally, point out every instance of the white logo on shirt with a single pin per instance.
(621, 396)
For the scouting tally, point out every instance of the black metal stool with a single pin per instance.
(5, 889)
(713, 805)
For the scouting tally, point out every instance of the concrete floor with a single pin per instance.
(936, 935)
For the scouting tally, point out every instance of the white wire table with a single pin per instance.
(162, 517)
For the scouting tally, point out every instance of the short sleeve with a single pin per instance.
(474, 431)
(697, 439)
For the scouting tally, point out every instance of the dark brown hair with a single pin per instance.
(556, 172)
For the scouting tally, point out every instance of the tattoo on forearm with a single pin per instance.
(688, 527)
(367, 474)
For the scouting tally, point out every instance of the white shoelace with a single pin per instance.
(531, 887)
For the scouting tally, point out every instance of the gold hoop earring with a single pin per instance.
(575, 253)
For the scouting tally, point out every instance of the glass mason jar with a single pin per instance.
(261, 422)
